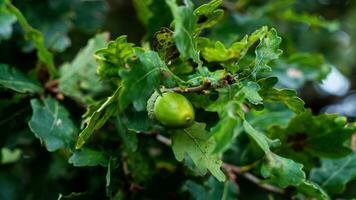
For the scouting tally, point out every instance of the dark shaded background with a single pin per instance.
(41, 175)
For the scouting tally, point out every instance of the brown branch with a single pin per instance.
(164, 140)
(264, 186)
(238, 169)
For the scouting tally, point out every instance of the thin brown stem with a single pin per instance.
(264, 186)
(238, 169)
(164, 140)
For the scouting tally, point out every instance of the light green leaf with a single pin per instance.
(73, 196)
(208, 15)
(194, 141)
(261, 139)
(250, 90)
(262, 120)
(114, 57)
(96, 116)
(10, 156)
(185, 24)
(333, 175)
(311, 189)
(79, 77)
(287, 96)
(51, 124)
(14, 79)
(267, 50)
(141, 79)
(226, 94)
(282, 171)
(88, 157)
(217, 52)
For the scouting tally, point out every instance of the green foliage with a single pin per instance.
(32, 34)
(333, 175)
(281, 171)
(184, 25)
(211, 190)
(195, 142)
(14, 79)
(112, 59)
(51, 124)
(79, 77)
(96, 116)
(252, 136)
(309, 136)
(88, 157)
(299, 68)
(139, 82)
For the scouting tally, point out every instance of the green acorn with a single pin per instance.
(171, 109)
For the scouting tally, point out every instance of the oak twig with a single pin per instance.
(264, 186)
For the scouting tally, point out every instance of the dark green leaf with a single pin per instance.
(185, 24)
(14, 79)
(129, 138)
(51, 124)
(333, 175)
(140, 81)
(154, 14)
(79, 77)
(163, 43)
(212, 190)
(37, 38)
(309, 136)
(88, 157)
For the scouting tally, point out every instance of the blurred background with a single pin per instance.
(326, 79)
